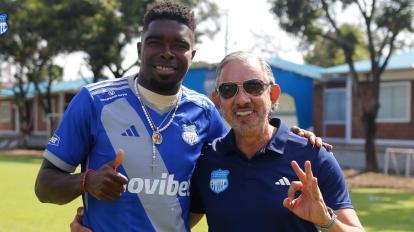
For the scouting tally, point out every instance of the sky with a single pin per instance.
(251, 27)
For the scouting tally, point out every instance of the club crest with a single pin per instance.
(190, 134)
(219, 181)
(4, 27)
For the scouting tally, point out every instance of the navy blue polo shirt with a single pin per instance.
(240, 194)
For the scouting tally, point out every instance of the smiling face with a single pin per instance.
(244, 112)
(166, 51)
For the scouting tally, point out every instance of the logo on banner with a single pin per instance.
(190, 134)
(4, 27)
(219, 181)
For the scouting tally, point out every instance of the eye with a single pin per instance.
(182, 46)
(153, 43)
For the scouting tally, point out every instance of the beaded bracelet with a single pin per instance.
(84, 189)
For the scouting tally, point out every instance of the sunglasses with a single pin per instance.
(254, 87)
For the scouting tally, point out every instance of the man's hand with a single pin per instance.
(106, 183)
(76, 225)
(317, 141)
(310, 205)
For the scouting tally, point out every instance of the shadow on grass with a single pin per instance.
(381, 210)
(21, 159)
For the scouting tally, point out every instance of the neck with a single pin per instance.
(251, 142)
(151, 85)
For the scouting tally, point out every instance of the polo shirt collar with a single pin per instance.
(278, 142)
(227, 145)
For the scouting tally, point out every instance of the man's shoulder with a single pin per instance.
(107, 85)
(197, 98)
(213, 150)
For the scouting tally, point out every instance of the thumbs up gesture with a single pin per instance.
(106, 183)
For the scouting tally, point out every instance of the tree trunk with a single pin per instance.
(370, 148)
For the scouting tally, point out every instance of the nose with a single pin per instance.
(241, 97)
(167, 53)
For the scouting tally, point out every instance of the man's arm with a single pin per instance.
(56, 186)
(347, 221)
(310, 205)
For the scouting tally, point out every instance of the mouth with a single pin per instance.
(244, 113)
(164, 69)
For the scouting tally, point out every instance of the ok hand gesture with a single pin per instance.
(309, 205)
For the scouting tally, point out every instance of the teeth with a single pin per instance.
(244, 113)
(164, 68)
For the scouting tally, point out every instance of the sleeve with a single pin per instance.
(73, 138)
(196, 204)
(332, 182)
(217, 125)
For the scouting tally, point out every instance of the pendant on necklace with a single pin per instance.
(156, 137)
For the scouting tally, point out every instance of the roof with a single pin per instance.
(306, 70)
(396, 61)
(62, 86)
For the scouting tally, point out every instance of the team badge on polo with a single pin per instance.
(4, 27)
(219, 181)
(190, 134)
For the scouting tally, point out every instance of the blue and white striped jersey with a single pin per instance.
(106, 116)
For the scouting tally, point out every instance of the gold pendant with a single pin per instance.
(156, 137)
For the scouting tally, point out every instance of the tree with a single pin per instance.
(39, 31)
(382, 22)
(326, 53)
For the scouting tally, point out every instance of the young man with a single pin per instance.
(160, 126)
(243, 180)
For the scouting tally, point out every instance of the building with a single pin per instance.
(335, 115)
(62, 93)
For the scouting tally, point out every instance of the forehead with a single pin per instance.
(240, 70)
(168, 29)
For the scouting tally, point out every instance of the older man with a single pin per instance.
(245, 181)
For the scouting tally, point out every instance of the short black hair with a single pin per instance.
(170, 10)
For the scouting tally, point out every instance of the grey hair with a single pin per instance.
(245, 56)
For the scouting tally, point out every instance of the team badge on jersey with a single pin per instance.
(4, 27)
(54, 140)
(219, 181)
(190, 134)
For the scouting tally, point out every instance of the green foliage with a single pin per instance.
(327, 53)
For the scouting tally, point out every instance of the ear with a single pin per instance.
(214, 96)
(274, 92)
(139, 49)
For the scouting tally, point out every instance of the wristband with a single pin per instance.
(331, 222)
(84, 180)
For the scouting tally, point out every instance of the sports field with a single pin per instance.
(380, 210)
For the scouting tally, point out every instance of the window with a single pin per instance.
(334, 110)
(394, 102)
(5, 111)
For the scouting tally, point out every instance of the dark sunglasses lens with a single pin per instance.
(228, 90)
(253, 87)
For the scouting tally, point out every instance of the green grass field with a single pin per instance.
(380, 210)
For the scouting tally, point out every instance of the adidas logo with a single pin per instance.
(282, 181)
(131, 131)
